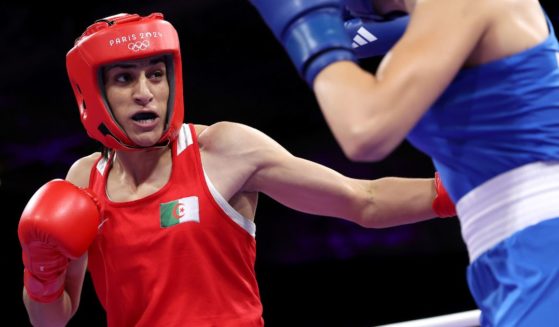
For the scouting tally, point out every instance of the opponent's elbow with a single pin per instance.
(362, 154)
(362, 146)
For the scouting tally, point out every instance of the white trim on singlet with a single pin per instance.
(184, 139)
(239, 219)
(508, 203)
(101, 164)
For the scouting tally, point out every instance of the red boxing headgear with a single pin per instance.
(122, 37)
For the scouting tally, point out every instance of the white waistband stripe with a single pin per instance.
(508, 203)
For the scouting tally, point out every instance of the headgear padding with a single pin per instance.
(123, 37)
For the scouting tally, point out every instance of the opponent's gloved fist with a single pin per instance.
(359, 8)
(365, 9)
(375, 35)
(442, 204)
(58, 224)
(311, 31)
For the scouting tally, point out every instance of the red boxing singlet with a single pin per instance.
(179, 257)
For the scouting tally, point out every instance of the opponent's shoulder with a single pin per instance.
(438, 10)
(81, 169)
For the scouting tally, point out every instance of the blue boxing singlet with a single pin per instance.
(493, 118)
(494, 138)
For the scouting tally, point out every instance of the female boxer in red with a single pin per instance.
(174, 203)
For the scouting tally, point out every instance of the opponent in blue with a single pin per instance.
(475, 85)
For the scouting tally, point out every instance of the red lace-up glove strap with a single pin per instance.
(442, 204)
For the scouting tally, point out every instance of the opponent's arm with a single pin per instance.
(371, 115)
(55, 229)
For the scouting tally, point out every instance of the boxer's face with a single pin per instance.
(137, 92)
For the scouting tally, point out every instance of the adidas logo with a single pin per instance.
(362, 37)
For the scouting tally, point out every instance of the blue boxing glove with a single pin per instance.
(375, 35)
(311, 31)
(359, 8)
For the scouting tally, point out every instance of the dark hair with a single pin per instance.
(106, 152)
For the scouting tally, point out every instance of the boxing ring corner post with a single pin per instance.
(460, 319)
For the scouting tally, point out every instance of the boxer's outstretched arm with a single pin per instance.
(309, 187)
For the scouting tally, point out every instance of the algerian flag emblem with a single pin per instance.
(179, 211)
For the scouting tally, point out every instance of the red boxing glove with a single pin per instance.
(442, 204)
(58, 223)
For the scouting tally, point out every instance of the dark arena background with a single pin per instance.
(313, 271)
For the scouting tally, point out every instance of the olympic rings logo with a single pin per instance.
(138, 46)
